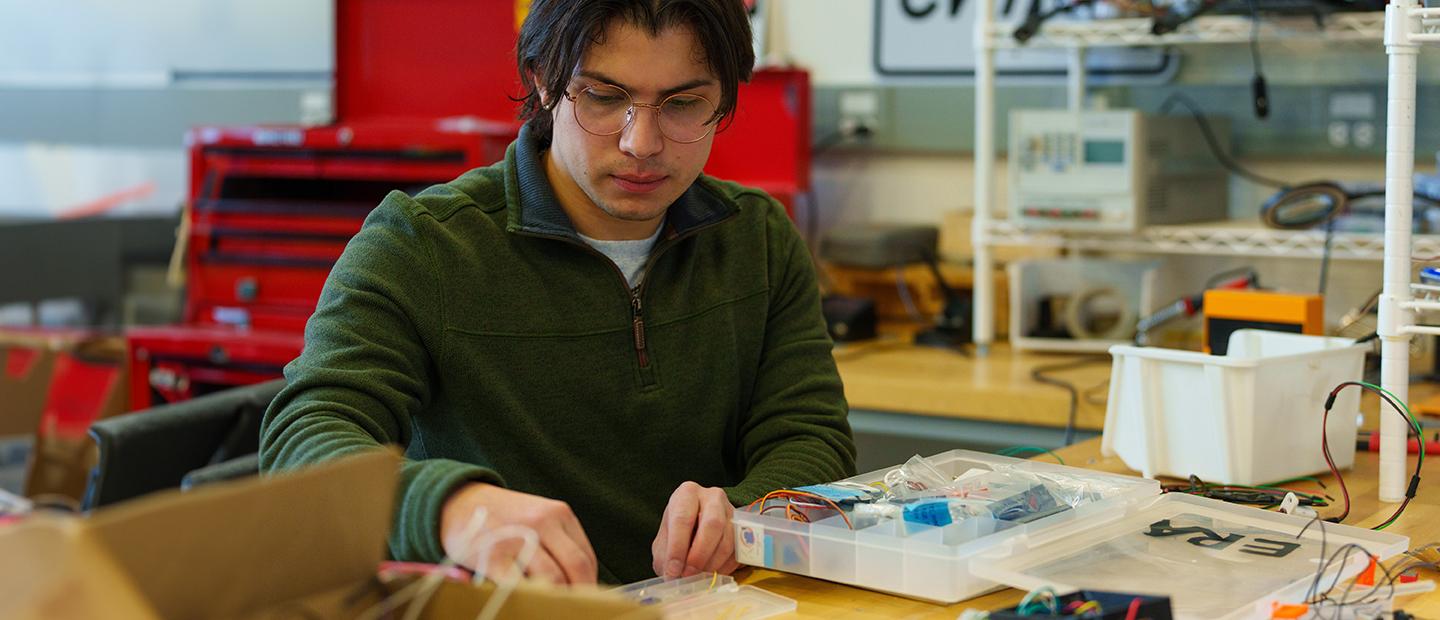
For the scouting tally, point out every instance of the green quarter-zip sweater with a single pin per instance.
(473, 326)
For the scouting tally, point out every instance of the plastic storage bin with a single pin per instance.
(911, 559)
(1213, 559)
(1250, 417)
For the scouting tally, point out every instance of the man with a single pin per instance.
(589, 339)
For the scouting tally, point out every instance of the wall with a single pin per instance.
(97, 94)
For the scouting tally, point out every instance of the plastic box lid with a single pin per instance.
(1213, 559)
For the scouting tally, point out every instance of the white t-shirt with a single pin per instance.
(629, 254)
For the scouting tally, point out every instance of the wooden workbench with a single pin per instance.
(892, 375)
(822, 599)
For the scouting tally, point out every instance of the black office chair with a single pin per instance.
(213, 437)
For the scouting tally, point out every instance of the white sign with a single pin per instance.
(935, 38)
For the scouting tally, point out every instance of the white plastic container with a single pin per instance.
(919, 561)
(1214, 560)
(1250, 417)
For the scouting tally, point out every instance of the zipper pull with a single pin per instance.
(638, 327)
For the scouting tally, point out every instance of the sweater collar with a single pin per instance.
(534, 208)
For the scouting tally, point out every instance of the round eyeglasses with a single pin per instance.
(606, 110)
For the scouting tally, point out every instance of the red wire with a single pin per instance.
(1134, 611)
(1335, 471)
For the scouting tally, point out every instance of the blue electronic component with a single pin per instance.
(933, 512)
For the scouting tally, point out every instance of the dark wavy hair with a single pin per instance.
(557, 33)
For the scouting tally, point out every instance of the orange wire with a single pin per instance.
(789, 510)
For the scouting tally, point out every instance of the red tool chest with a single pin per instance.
(270, 211)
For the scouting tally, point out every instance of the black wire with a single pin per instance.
(1343, 556)
(1255, 37)
(1220, 154)
(1324, 541)
(1041, 374)
(1325, 255)
(1370, 597)
(1261, 497)
(1033, 21)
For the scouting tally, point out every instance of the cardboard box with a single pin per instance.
(21, 405)
(53, 385)
(305, 544)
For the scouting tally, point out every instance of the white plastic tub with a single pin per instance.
(919, 561)
(1250, 417)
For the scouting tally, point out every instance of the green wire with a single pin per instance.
(1419, 439)
(1017, 450)
(1414, 423)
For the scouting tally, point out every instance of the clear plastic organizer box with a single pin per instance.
(932, 562)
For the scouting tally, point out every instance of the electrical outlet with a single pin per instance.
(859, 108)
(1352, 116)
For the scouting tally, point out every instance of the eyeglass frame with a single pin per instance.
(630, 112)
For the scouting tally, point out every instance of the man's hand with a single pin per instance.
(695, 534)
(564, 556)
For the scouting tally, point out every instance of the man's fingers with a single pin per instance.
(576, 563)
(577, 534)
(724, 552)
(657, 550)
(680, 521)
(544, 568)
(501, 564)
(709, 532)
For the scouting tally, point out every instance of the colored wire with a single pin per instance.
(1017, 450)
(1050, 602)
(1133, 611)
(794, 515)
(1339, 559)
(1268, 496)
(1400, 408)
(1334, 471)
(1230, 274)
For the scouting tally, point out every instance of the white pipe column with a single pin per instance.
(1394, 316)
(984, 297)
(1077, 78)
